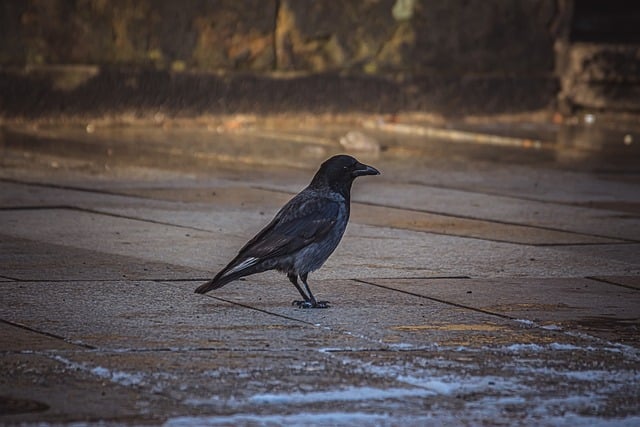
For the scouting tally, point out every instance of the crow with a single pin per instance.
(303, 233)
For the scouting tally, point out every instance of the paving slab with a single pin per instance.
(16, 338)
(597, 308)
(383, 252)
(627, 281)
(19, 197)
(506, 210)
(629, 253)
(232, 219)
(464, 227)
(38, 388)
(591, 217)
(408, 321)
(459, 224)
(156, 315)
(33, 260)
(244, 199)
(109, 234)
(130, 314)
(523, 179)
(374, 252)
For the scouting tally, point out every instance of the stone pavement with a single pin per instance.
(476, 284)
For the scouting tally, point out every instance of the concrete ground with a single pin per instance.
(481, 281)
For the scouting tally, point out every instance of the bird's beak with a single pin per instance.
(362, 169)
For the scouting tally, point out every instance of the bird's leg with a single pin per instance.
(312, 303)
(293, 278)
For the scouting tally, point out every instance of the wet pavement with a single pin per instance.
(489, 276)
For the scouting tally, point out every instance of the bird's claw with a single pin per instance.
(309, 304)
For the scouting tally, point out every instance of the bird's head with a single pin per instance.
(339, 171)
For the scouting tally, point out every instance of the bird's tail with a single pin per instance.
(212, 284)
(233, 271)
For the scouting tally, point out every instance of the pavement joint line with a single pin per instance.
(250, 307)
(32, 208)
(152, 221)
(511, 242)
(609, 282)
(467, 217)
(439, 300)
(48, 334)
(484, 192)
(416, 278)
(284, 316)
(525, 322)
(99, 212)
(119, 279)
(73, 188)
(507, 195)
(495, 221)
(619, 242)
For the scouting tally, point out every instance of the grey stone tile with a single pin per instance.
(138, 315)
(585, 305)
(32, 260)
(51, 388)
(629, 281)
(16, 338)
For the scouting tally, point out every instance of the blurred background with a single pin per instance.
(557, 78)
(452, 58)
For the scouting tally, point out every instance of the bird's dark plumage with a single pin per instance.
(303, 233)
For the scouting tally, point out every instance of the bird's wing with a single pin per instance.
(299, 223)
(302, 221)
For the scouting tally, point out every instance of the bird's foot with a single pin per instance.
(310, 304)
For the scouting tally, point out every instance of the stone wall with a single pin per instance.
(450, 57)
(374, 36)
(599, 56)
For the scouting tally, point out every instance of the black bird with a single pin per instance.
(303, 233)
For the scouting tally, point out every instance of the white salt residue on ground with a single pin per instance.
(342, 395)
(304, 419)
(436, 418)
(118, 377)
